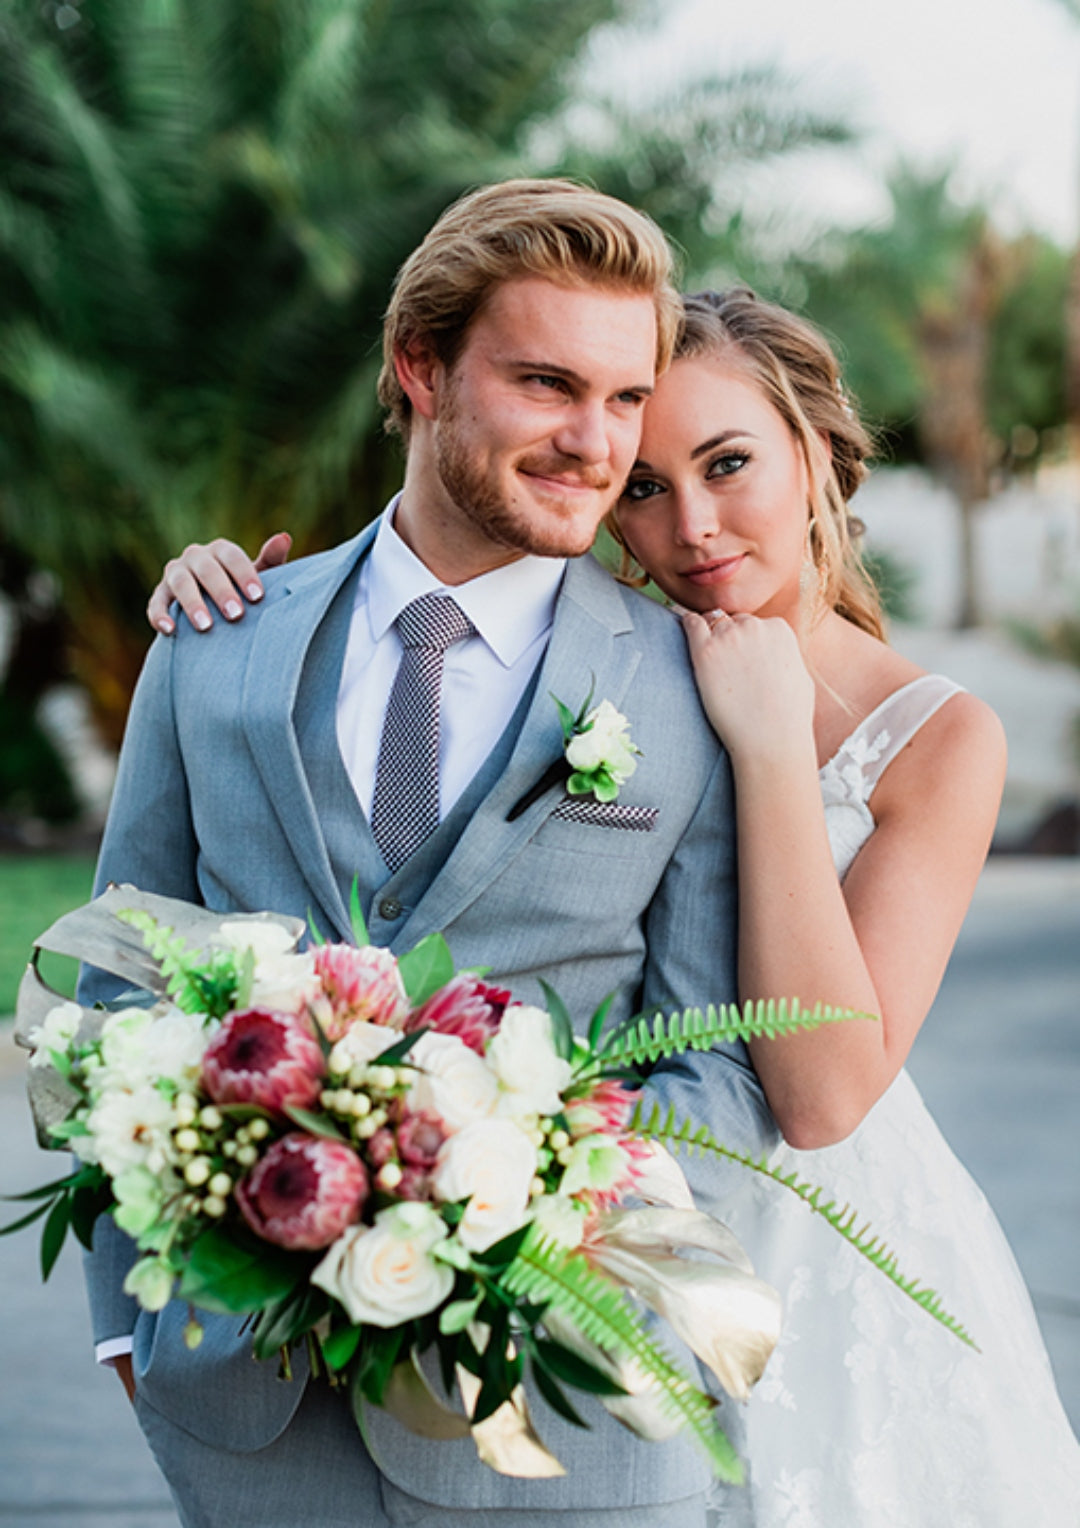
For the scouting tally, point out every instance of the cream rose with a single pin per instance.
(386, 1274)
(531, 1074)
(451, 1080)
(492, 1164)
(606, 743)
(284, 978)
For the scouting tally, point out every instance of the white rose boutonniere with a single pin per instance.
(597, 748)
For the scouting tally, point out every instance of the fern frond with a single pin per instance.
(658, 1126)
(197, 982)
(648, 1038)
(544, 1272)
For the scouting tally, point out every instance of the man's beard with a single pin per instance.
(481, 500)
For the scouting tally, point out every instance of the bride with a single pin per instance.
(866, 794)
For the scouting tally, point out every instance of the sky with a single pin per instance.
(992, 85)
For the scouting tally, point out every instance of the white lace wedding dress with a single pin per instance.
(870, 1414)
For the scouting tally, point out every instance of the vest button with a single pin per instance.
(390, 908)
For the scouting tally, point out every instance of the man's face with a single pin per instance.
(535, 427)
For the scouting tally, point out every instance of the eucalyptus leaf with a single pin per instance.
(426, 968)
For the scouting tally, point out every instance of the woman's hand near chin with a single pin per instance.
(754, 685)
(219, 571)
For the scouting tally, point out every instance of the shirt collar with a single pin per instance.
(510, 607)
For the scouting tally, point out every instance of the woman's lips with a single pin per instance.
(716, 572)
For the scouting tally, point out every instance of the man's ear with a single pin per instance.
(421, 375)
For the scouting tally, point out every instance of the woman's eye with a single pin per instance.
(638, 489)
(726, 464)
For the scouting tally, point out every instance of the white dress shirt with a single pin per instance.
(484, 677)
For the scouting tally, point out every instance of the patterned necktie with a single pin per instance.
(405, 806)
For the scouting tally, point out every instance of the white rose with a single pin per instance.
(361, 1043)
(492, 1164)
(54, 1033)
(123, 1050)
(605, 742)
(523, 1057)
(386, 1274)
(174, 1044)
(452, 1080)
(284, 978)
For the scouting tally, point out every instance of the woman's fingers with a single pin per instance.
(213, 575)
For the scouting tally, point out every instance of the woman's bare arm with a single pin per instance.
(880, 942)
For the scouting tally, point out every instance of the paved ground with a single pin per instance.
(999, 1064)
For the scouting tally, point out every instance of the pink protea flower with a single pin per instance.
(304, 1192)
(415, 1184)
(419, 1137)
(358, 985)
(265, 1058)
(381, 1148)
(465, 1007)
(607, 1108)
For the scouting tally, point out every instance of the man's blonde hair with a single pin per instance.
(557, 229)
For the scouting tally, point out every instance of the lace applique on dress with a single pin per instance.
(870, 1415)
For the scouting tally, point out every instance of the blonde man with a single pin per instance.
(522, 340)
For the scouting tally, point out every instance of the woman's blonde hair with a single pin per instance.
(797, 372)
(557, 229)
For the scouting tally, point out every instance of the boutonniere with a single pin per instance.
(598, 749)
(598, 755)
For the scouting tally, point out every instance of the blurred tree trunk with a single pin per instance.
(954, 341)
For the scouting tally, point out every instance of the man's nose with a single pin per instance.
(584, 433)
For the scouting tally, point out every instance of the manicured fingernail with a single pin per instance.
(166, 627)
(201, 620)
(232, 610)
(254, 592)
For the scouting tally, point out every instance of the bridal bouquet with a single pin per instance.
(383, 1158)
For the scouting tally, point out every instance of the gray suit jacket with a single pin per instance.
(213, 804)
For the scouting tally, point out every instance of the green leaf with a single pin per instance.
(45, 1191)
(360, 934)
(579, 784)
(54, 1233)
(574, 1370)
(317, 939)
(562, 1027)
(426, 968)
(230, 1273)
(88, 1202)
(555, 1396)
(397, 1052)
(501, 1374)
(604, 787)
(567, 720)
(245, 979)
(456, 1316)
(68, 1130)
(314, 1124)
(340, 1346)
(26, 1220)
(378, 1354)
(502, 1253)
(283, 1321)
(648, 1037)
(598, 1020)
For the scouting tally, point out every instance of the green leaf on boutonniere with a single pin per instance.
(426, 968)
(567, 718)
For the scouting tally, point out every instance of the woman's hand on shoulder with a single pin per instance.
(219, 571)
(753, 682)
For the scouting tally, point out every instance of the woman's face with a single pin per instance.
(716, 505)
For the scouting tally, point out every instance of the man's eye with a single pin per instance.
(542, 380)
(639, 489)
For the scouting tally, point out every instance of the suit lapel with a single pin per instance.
(278, 652)
(590, 617)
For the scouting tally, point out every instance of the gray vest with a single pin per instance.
(386, 899)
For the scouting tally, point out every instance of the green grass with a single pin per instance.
(34, 891)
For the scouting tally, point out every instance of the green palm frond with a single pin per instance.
(654, 1124)
(646, 1039)
(545, 1273)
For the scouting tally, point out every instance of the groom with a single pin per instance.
(268, 764)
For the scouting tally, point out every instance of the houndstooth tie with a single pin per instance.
(405, 806)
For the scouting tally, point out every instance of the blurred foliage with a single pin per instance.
(202, 207)
(896, 582)
(35, 890)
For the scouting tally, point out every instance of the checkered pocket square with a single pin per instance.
(607, 814)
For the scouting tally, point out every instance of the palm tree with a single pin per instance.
(202, 206)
